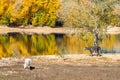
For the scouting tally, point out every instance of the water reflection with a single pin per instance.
(15, 44)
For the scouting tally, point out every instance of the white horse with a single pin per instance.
(27, 63)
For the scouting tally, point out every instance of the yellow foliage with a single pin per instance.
(1, 10)
(25, 10)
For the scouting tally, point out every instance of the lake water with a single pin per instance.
(15, 44)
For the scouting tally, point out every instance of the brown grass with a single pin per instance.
(71, 67)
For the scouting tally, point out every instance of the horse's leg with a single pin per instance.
(99, 52)
(91, 53)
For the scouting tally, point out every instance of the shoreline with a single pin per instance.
(38, 30)
(49, 30)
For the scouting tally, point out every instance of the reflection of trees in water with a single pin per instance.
(75, 44)
(61, 45)
(18, 45)
(27, 45)
(44, 44)
(108, 44)
(118, 37)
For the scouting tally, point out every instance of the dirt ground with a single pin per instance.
(67, 67)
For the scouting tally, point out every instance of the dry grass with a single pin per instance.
(69, 67)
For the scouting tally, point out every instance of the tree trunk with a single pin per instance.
(96, 38)
(97, 48)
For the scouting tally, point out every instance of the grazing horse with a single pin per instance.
(27, 63)
(94, 50)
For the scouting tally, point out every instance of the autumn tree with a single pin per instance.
(93, 15)
(88, 13)
(24, 12)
